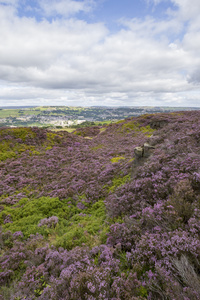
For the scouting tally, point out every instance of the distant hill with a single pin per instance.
(107, 212)
(65, 116)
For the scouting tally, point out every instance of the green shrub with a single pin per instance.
(88, 228)
(117, 182)
(75, 226)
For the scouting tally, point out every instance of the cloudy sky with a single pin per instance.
(100, 52)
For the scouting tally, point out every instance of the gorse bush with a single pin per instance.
(82, 218)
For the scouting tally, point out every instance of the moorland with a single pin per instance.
(92, 215)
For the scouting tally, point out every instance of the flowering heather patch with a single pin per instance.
(49, 222)
(86, 219)
(88, 131)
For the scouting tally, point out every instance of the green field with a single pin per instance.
(53, 116)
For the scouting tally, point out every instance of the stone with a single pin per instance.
(157, 124)
(141, 155)
(147, 149)
(138, 151)
(143, 151)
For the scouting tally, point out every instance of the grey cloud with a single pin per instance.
(70, 59)
(195, 77)
(15, 95)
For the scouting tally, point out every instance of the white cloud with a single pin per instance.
(9, 2)
(65, 7)
(189, 14)
(68, 59)
(183, 9)
(188, 9)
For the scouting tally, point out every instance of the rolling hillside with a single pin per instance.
(106, 212)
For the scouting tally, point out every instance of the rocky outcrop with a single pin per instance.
(144, 151)
(156, 124)
(141, 154)
(138, 152)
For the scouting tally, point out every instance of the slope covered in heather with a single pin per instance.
(83, 218)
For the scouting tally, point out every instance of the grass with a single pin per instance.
(116, 159)
(136, 127)
(14, 113)
(118, 181)
(5, 113)
(70, 130)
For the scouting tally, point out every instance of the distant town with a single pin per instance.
(65, 116)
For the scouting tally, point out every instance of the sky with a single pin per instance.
(103, 52)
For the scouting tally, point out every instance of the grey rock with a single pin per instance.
(147, 150)
(138, 151)
(141, 155)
